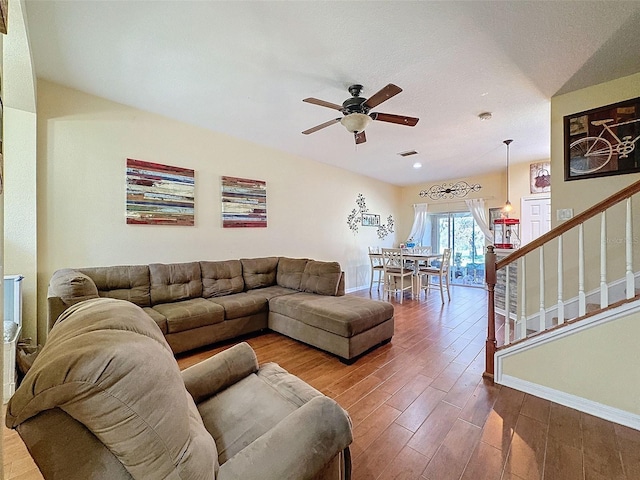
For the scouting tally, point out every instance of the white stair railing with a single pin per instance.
(563, 310)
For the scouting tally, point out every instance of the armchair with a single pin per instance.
(105, 399)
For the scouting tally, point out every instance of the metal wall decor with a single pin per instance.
(450, 190)
(384, 230)
(359, 216)
(355, 217)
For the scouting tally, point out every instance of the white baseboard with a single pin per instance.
(596, 409)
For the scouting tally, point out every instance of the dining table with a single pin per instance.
(415, 258)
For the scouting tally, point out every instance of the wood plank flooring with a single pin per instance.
(421, 409)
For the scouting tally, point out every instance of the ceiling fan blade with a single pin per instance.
(399, 119)
(321, 126)
(322, 103)
(383, 95)
(360, 137)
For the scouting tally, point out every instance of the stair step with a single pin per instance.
(592, 307)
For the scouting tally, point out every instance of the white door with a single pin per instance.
(536, 217)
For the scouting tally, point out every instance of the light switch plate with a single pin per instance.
(564, 213)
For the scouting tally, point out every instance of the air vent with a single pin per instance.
(408, 153)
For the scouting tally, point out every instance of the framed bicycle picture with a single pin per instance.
(603, 141)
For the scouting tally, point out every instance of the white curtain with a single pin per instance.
(420, 221)
(476, 207)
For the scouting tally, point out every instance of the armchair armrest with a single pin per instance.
(296, 448)
(216, 373)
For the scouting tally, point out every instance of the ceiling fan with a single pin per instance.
(356, 111)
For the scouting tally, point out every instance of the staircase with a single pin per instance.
(561, 288)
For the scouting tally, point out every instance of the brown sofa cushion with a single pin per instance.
(290, 272)
(321, 277)
(189, 314)
(221, 278)
(345, 316)
(127, 282)
(175, 281)
(240, 305)
(231, 419)
(160, 319)
(108, 366)
(259, 272)
(72, 286)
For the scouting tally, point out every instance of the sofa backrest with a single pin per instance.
(125, 282)
(290, 272)
(163, 283)
(175, 281)
(259, 272)
(107, 365)
(221, 278)
(322, 278)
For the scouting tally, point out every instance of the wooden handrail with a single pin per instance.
(569, 224)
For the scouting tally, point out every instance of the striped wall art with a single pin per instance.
(244, 203)
(159, 194)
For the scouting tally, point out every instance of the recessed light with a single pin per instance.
(417, 165)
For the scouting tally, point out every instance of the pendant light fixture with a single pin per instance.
(507, 206)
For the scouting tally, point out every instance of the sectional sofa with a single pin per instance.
(200, 303)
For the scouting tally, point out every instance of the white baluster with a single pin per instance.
(523, 308)
(560, 282)
(604, 289)
(631, 287)
(582, 299)
(542, 315)
(507, 307)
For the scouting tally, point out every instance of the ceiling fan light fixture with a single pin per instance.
(356, 122)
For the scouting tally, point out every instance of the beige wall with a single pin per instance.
(600, 364)
(20, 215)
(83, 144)
(19, 151)
(581, 194)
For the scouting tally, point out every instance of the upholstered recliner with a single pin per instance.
(105, 400)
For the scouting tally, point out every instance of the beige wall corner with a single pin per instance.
(20, 217)
(599, 364)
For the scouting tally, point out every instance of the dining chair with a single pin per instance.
(423, 250)
(395, 271)
(376, 266)
(442, 273)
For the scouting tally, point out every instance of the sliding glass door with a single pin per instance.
(459, 232)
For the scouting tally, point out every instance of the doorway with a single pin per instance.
(459, 232)
(536, 217)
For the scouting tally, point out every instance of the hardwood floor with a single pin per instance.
(421, 410)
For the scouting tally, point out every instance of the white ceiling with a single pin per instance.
(242, 68)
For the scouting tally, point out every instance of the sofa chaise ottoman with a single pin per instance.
(200, 303)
